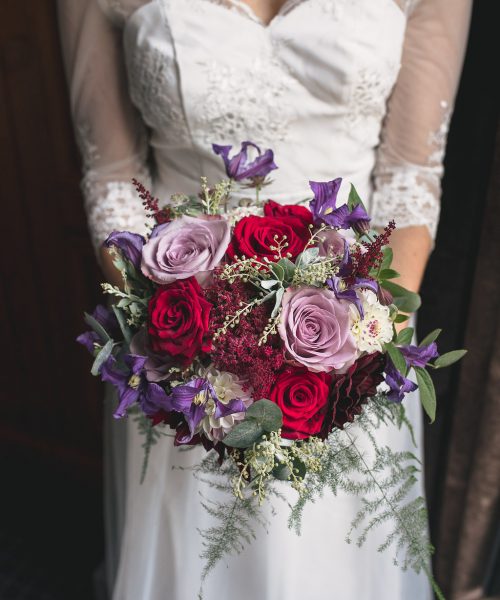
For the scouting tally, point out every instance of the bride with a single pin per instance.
(361, 89)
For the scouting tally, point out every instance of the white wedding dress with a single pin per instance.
(361, 89)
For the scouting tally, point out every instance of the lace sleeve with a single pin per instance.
(111, 137)
(407, 175)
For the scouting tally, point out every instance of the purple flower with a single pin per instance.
(157, 366)
(185, 247)
(106, 318)
(315, 329)
(194, 398)
(238, 167)
(133, 387)
(324, 207)
(398, 383)
(349, 293)
(129, 244)
(419, 356)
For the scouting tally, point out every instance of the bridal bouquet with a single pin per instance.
(261, 332)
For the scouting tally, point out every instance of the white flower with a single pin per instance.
(227, 387)
(376, 328)
(236, 214)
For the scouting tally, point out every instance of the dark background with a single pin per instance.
(51, 519)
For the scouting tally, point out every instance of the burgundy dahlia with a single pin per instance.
(350, 390)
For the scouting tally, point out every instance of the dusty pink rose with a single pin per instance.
(315, 328)
(185, 247)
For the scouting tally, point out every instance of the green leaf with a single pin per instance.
(281, 472)
(97, 327)
(278, 271)
(244, 434)
(299, 468)
(405, 300)
(405, 336)
(427, 392)
(307, 257)
(387, 260)
(267, 414)
(102, 357)
(289, 268)
(354, 199)
(445, 360)
(428, 339)
(278, 299)
(388, 274)
(397, 358)
(122, 322)
(401, 318)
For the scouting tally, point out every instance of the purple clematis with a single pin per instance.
(107, 319)
(349, 293)
(419, 356)
(398, 383)
(133, 386)
(324, 207)
(196, 399)
(129, 244)
(238, 167)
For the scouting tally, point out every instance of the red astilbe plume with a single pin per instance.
(371, 256)
(238, 350)
(151, 204)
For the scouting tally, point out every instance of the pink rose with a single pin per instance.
(315, 328)
(185, 247)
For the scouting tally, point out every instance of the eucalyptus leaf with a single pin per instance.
(244, 434)
(445, 360)
(405, 336)
(288, 267)
(427, 392)
(266, 413)
(397, 358)
(102, 357)
(278, 270)
(282, 472)
(433, 336)
(97, 327)
(307, 257)
(122, 322)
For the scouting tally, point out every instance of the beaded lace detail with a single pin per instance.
(153, 84)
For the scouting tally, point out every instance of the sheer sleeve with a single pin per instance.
(409, 167)
(111, 137)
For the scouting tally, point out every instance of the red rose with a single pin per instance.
(352, 389)
(179, 320)
(254, 236)
(273, 209)
(303, 399)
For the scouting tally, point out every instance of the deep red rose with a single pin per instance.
(273, 209)
(254, 236)
(303, 399)
(179, 320)
(352, 389)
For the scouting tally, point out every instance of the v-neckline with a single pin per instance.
(249, 12)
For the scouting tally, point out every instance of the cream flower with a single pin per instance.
(375, 329)
(227, 387)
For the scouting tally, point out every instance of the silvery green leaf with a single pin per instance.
(278, 270)
(268, 284)
(122, 322)
(102, 357)
(97, 327)
(124, 302)
(281, 472)
(279, 298)
(267, 414)
(405, 336)
(307, 257)
(431, 337)
(244, 434)
(397, 358)
(288, 267)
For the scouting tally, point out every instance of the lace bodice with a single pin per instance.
(361, 89)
